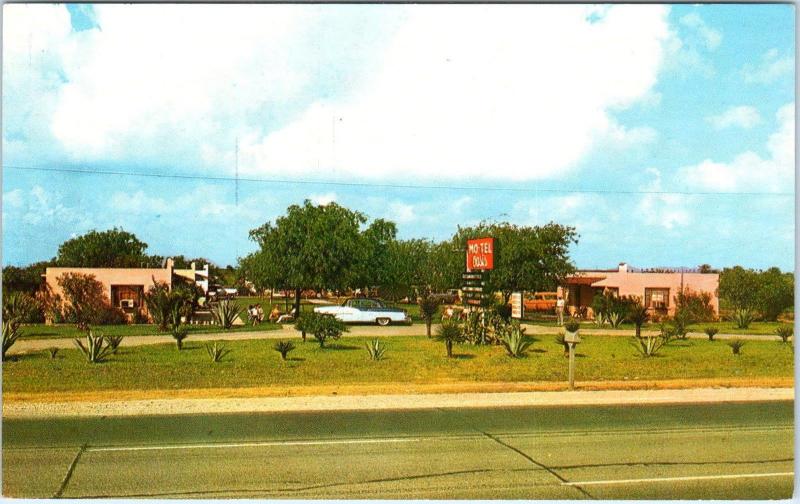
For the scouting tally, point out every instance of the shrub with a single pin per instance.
(85, 302)
(449, 332)
(680, 324)
(11, 334)
(52, 351)
(302, 324)
(225, 313)
(515, 341)
(736, 345)
(785, 332)
(476, 328)
(743, 317)
(216, 351)
(324, 327)
(711, 331)
(96, 348)
(503, 311)
(572, 325)
(283, 347)
(113, 342)
(179, 334)
(167, 307)
(375, 349)
(428, 306)
(694, 306)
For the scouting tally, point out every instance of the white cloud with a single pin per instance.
(38, 206)
(711, 36)
(517, 92)
(748, 170)
(323, 199)
(400, 212)
(513, 91)
(743, 116)
(668, 211)
(772, 67)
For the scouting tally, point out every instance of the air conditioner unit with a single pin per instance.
(127, 303)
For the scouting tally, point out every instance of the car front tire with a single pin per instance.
(382, 321)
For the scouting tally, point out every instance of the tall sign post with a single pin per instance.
(480, 258)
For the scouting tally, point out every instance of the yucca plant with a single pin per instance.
(449, 332)
(179, 334)
(785, 332)
(743, 317)
(53, 352)
(217, 351)
(113, 342)
(375, 349)
(515, 341)
(283, 347)
(736, 345)
(96, 348)
(225, 313)
(639, 316)
(11, 334)
(711, 331)
(428, 306)
(17, 308)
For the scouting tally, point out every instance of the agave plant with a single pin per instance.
(11, 334)
(711, 331)
(375, 349)
(96, 348)
(743, 317)
(615, 319)
(283, 347)
(560, 340)
(736, 345)
(53, 352)
(225, 313)
(515, 341)
(113, 342)
(217, 351)
(17, 308)
(649, 345)
(785, 332)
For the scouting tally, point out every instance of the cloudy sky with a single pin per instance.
(664, 134)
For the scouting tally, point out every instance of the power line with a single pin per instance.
(238, 179)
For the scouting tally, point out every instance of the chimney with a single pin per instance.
(193, 266)
(623, 267)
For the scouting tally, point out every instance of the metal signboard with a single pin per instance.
(516, 305)
(480, 254)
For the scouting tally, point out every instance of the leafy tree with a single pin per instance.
(24, 279)
(114, 248)
(311, 247)
(738, 287)
(372, 268)
(694, 306)
(775, 293)
(405, 268)
(532, 258)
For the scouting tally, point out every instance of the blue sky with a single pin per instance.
(665, 134)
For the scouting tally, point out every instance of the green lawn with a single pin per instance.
(254, 363)
(43, 331)
(724, 327)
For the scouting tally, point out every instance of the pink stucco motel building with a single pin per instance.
(125, 287)
(656, 288)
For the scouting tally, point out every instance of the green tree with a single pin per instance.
(405, 269)
(373, 265)
(114, 248)
(24, 279)
(775, 293)
(85, 303)
(311, 247)
(526, 258)
(738, 287)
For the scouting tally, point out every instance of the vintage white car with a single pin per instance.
(366, 310)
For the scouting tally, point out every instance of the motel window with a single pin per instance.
(656, 298)
(127, 296)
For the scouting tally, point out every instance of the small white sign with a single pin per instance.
(516, 305)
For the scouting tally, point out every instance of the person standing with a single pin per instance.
(560, 310)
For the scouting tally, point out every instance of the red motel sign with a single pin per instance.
(480, 254)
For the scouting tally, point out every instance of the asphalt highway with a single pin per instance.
(721, 451)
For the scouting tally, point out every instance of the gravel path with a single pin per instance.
(288, 331)
(390, 402)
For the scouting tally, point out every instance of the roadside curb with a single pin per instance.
(391, 402)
